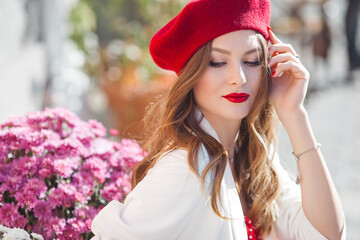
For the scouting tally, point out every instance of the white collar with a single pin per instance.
(231, 205)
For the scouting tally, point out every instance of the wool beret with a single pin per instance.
(201, 21)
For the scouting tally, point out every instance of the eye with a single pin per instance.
(216, 64)
(257, 63)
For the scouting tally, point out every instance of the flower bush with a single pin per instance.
(57, 172)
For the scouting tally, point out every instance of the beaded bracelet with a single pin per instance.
(297, 156)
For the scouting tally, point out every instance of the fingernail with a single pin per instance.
(274, 54)
(269, 28)
(273, 74)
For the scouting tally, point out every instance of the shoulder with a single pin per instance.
(160, 205)
(174, 161)
(175, 156)
(171, 171)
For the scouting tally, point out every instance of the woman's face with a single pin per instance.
(234, 72)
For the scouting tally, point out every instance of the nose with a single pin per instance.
(237, 75)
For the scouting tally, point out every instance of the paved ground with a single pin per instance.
(335, 117)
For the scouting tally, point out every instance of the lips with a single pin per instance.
(237, 97)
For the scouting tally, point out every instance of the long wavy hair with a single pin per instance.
(171, 120)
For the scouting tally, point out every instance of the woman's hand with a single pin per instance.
(289, 78)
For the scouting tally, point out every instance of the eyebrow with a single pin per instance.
(229, 53)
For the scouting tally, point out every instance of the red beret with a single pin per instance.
(201, 21)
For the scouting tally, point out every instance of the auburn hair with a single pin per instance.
(171, 120)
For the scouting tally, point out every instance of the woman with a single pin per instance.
(212, 171)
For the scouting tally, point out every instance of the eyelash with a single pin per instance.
(219, 64)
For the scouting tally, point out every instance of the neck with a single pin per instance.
(227, 132)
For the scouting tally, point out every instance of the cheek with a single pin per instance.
(206, 85)
(254, 80)
(200, 91)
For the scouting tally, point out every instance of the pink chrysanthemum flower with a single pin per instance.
(57, 172)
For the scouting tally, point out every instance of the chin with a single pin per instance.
(225, 114)
(238, 113)
(236, 116)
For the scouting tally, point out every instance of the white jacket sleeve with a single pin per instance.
(157, 208)
(292, 222)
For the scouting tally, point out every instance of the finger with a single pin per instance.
(271, 70)
(282, 48)
(281, 58)
(297, 70)
(273, 39)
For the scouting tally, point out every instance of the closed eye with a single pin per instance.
(219, 64)
(216, 64)
(257, 63)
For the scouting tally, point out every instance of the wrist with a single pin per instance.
(290, 117)
(298, 128)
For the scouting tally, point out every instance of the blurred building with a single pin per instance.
(39, 65)
(22, 59)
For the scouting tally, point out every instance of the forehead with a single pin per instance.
(238, 39)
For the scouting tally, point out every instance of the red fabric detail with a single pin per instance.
(201, 21)
(252, 234)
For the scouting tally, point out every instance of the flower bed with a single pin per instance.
(57, 172)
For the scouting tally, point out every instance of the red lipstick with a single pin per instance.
(237, 97)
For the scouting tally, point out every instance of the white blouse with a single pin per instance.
(170, 204)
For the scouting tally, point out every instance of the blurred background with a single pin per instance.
(91, 56)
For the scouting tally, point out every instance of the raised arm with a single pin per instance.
(320, 201)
